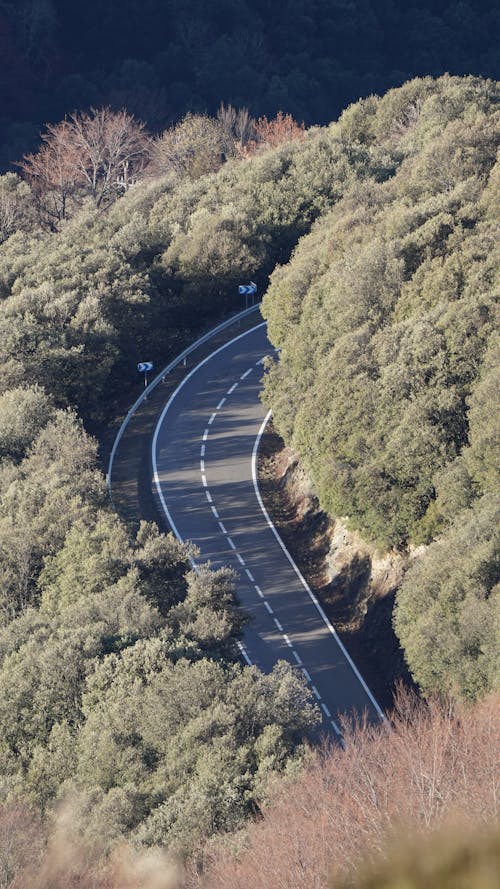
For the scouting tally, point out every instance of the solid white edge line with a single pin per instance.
(244, 653)
(297, 571)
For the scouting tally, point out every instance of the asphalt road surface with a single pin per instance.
(203, 456)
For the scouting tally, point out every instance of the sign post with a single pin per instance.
(248, 290)
(144, 367)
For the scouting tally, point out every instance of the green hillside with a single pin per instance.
(386, 317)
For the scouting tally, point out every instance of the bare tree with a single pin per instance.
(99, 153)
(52, 173)
(112, 149)
(238, 126)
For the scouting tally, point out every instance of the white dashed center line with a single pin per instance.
(241, 560)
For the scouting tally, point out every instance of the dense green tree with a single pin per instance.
(184, 744)
(23, 413)
(447, 612)
(17, 210)
(209, 615)
(54, 486)
(386, 309)
(195, 146)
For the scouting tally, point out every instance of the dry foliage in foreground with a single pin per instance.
(31, 858)
(436, 765)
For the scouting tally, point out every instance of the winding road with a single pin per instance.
(204, 470)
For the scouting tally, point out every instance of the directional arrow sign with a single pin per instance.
(247, 288)
(144, 366)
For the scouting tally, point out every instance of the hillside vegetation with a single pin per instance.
(387, 381)
(120, 686)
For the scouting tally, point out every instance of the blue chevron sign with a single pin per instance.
(247, 288)
(144, 366)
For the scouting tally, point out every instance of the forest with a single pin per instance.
(163, 58)
(122, 701)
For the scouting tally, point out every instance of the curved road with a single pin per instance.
(203, 454)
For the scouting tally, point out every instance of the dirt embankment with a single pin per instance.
(355, 584)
